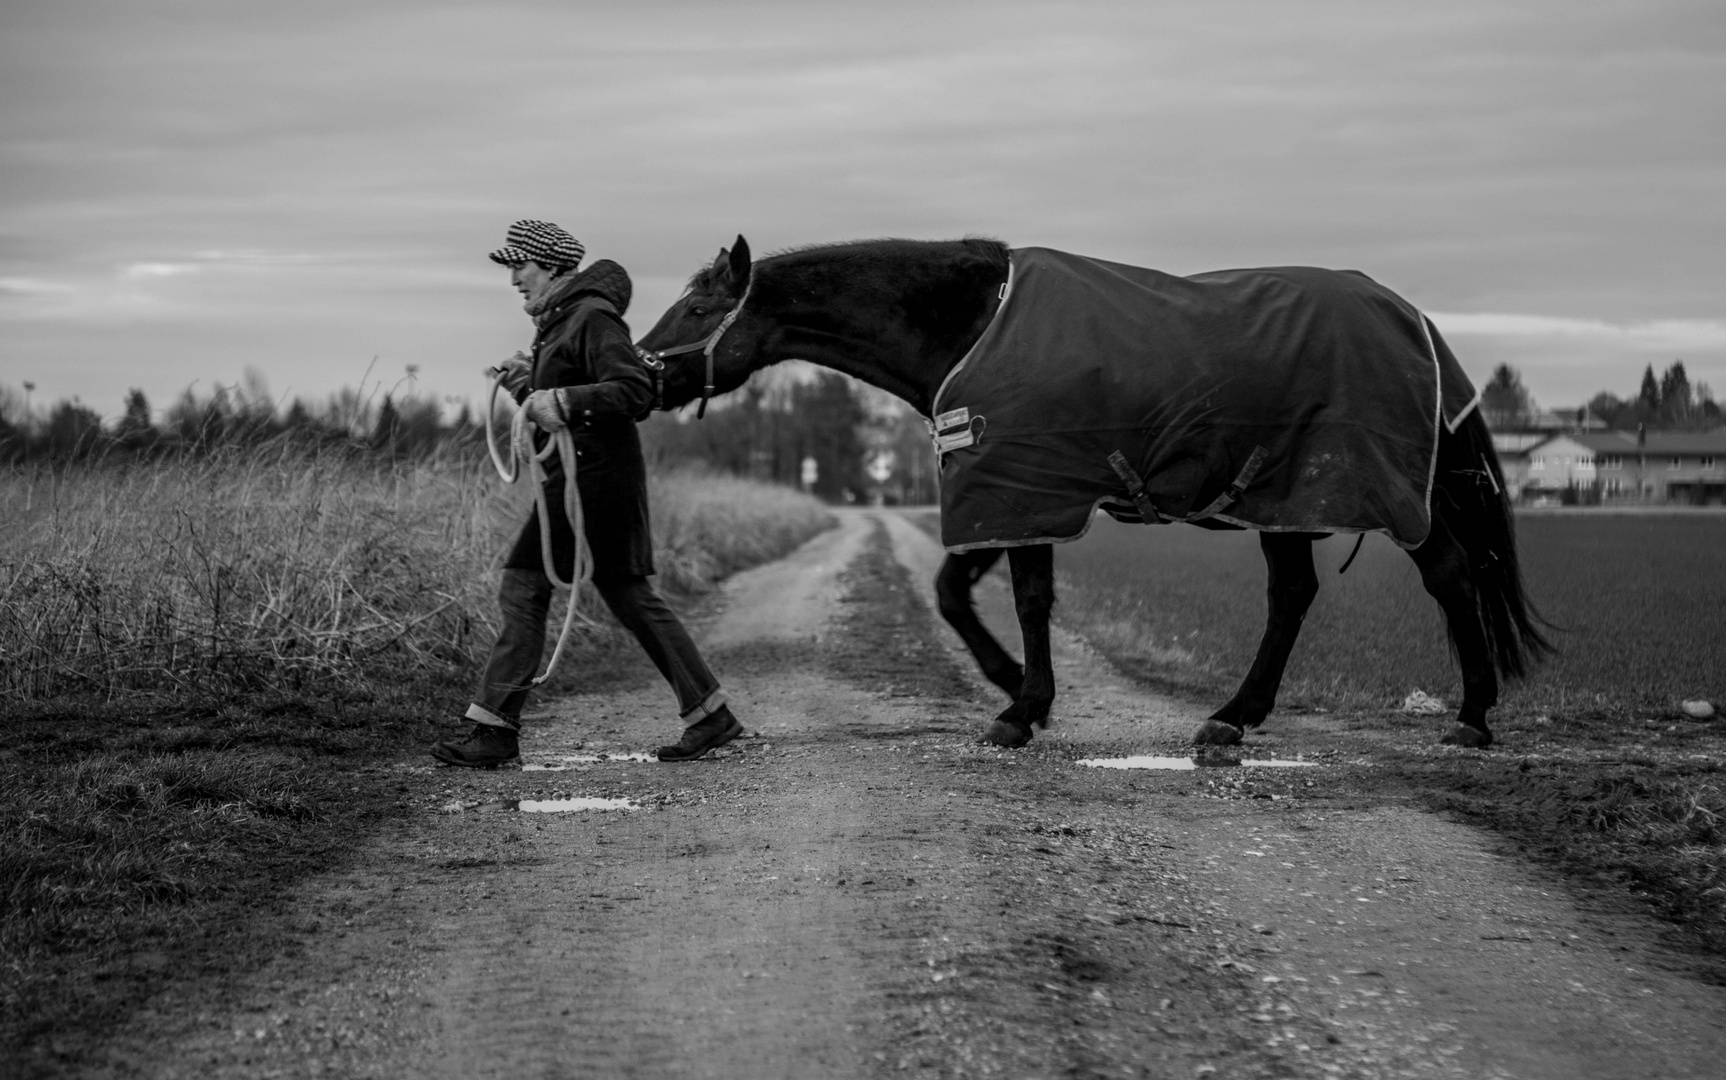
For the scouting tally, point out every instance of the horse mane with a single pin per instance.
(991, 253)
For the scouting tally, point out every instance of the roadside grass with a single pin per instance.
(144, 839)
(206, 665)
(250, 567)
(1649, 822)
(1597, 771)
(282, 566)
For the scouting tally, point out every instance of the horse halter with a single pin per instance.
(655, 359)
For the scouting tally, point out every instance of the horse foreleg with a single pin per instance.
(1033, 570)
(1444, 571)
(1290, 588)
(953, 585)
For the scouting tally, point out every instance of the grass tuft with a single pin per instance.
(85, 845)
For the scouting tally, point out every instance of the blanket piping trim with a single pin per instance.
(1456, 421)
(1006, 295)
(1438, 424)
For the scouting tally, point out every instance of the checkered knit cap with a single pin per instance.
(540, 242)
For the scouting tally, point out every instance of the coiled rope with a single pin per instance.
(521, 449)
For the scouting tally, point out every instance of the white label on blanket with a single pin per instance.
(952, 418)
(955, 441)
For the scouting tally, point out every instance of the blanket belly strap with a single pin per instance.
(1233, 493)
(1135, 489)
(1150, 515)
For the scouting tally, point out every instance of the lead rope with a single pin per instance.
(561, 443)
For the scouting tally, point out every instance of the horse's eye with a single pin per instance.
(698, 311)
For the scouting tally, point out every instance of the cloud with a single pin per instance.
(259, 257)
(157, 270)
(32, 287)
(225, 286)
(1676, 334)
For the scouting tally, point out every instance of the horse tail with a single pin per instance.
(1470, 497)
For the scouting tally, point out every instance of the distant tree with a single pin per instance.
(915, 469)
(134, 430)
(766, 429)
(1504, 401)
(1648, 398)
(1707, 409)
(74, 430)
(1613, 411)
(1675, 396)
(830, 428)
(418, 426)
(387, 429)
(196, 423)
(13, 424)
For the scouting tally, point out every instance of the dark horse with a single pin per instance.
(901, 314)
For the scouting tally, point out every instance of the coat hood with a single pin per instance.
(605, 280)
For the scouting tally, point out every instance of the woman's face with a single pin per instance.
(529, 279)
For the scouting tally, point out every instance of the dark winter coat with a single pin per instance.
(583, 344)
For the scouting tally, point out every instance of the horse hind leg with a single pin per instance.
(1290, 587)
(1444, 570)
(953, 586)
(1033, 569)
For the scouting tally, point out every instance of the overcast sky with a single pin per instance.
(191, 188)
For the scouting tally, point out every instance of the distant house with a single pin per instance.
(1514, 443)
(1513, 448)
(1610, 466)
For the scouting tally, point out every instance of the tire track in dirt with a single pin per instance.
(860, 889)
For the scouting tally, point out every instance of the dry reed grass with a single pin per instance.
(287, 567)
(266, 623)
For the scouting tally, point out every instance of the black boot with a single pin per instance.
(719, 728)
(485, 747)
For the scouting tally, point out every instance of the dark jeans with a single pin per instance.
(525, 598)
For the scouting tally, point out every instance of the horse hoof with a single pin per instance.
(1216, 733)
(1011, 736)
(1463, 735)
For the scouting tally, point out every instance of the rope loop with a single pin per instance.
(521, 449)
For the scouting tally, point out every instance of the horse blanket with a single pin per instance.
(1280, 399)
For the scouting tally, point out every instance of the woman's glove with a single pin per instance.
(516, 371)
(545, 408)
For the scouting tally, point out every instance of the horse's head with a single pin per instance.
(703, 352)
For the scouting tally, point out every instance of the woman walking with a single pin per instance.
(582, 374)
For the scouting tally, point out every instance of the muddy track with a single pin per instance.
(860, 889)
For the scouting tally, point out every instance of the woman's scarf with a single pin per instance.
(555, 289)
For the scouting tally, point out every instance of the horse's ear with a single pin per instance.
(722, 261)
(740, 264)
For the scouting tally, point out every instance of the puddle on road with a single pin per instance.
(1184, 763)
(566, 761)
(541, 806)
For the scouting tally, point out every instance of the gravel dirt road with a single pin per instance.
(860, 889)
